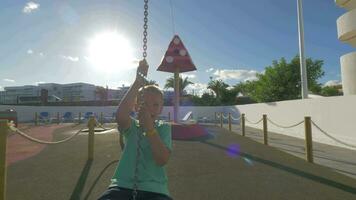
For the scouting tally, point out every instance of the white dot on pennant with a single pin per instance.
(169, 59)
(176, 41)
(182, 52)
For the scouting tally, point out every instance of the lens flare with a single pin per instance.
(233, 150)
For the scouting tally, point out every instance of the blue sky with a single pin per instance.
(49, 41)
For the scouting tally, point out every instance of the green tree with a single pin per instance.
(218, 86)
(330, 91)
(182, 84)
(281, 81)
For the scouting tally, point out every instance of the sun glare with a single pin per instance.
(110, 51)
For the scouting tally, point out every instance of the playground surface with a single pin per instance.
(222, 166)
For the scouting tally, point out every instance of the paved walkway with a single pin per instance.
(339, 159)
(223, 166)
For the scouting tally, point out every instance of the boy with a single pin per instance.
(154, 149)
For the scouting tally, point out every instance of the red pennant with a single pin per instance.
(176, 57)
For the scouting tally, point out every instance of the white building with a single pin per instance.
(346, 29)
(12, 94)
(78, 92)
(2, 96)
(72, 92)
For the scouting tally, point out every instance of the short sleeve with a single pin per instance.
(165, 134)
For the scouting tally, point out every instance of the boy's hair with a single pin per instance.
(154, 89)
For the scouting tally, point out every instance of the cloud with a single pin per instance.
(29, 51)
(39, 82)
(1, 88)
(190, 76)
(9, 80)
(197, 88)
(210, 69)
(30, 7)
(70, 58)
(332, 83)
(242, 75)
(41, 54)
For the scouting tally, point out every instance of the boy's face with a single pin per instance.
(153, 104)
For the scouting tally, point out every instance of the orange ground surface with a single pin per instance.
(20, 148)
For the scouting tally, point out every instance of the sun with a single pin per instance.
(110, 51)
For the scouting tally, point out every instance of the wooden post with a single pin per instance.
(57, 117)
(308, 139)
(3, 138)
(91, 126)
(36, 118)
(221, 119)
(230, 122)
(265, 137)
(216, 119)
(101, 118)
(243, 124)
(80, 117)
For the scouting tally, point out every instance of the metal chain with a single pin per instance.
(140, 132)
(145, 27)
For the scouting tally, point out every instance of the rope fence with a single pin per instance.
(41, 141)
(254, 122)
(281, 126)
(308, 123)
(331, 137)
(5, 126)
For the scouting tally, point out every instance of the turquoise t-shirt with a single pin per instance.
(151, 177)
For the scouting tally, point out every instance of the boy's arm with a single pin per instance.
(128, 102)
(160, 152)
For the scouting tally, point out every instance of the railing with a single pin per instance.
(5, 126)
(308, 124)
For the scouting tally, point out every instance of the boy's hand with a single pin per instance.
(145, 119)
(142, 69)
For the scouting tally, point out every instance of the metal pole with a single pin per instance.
(3, 137)
(176, 96)
(221, 119)
(303, 68)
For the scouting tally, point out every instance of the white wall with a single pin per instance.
(335, 115)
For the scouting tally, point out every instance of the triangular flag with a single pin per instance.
(176, 56)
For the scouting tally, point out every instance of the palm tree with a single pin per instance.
(182, 83)
(218, 86)
(151, 82)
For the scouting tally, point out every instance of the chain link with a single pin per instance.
(140, 132)
(145, 27)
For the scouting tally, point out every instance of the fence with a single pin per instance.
(5, 126)
(308, 124)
